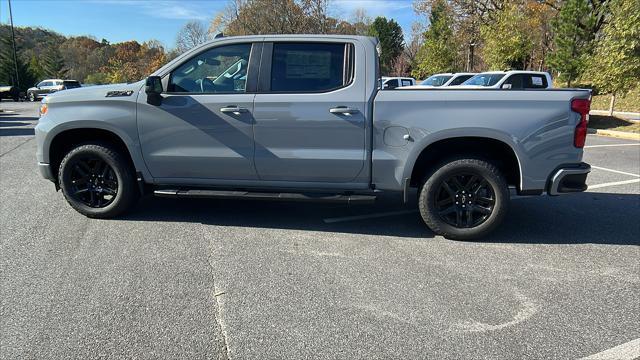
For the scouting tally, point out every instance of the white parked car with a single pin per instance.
(516, 79)
(396, 82)
(445, 79)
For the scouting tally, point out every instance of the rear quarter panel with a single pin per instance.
(537, 124)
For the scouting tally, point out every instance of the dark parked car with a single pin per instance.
(46, 87)
(9, 92)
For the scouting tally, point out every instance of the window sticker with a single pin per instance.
(536, 80)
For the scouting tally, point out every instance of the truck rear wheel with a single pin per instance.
(464, 198)
(97, 180)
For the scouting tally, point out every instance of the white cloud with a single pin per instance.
(372, 7)
(164, 9)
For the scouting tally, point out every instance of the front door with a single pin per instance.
(310, 123)
(203, 128)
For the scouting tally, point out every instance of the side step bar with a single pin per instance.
(247, 195)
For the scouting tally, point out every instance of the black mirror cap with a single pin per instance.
(153, 85)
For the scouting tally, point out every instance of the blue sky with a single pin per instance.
(141, 20)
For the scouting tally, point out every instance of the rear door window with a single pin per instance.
(514, 82)
(309, 67)
(406, 82)
(536, 82)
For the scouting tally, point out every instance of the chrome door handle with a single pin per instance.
(343, 110)
(233, 109)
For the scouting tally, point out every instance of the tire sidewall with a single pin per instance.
(479, 167)
(123, 176)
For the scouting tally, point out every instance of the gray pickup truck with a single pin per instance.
(301, 117)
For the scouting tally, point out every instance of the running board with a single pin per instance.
(247, 195)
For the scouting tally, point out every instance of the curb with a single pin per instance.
(616, 134)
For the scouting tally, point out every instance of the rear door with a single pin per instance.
(309, 114)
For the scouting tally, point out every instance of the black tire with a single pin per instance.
(109, 187)
(484, 194)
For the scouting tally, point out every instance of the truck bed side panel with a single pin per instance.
(537, 124)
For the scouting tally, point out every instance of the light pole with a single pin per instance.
(13, 41)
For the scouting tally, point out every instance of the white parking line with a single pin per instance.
(626, 351)
(368, 216)
(610, 145)
(615, 171)
(614, 183)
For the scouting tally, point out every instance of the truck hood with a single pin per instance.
(98, 92)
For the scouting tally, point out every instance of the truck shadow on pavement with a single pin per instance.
(12, 124)
(598, 218)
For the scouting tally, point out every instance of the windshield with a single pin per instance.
(484, 79)
(436, 80)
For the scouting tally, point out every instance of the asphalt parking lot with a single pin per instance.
(262, 280)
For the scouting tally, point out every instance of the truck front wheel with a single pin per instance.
(464, 198)
(97, 180)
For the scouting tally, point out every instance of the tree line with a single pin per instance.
(581, 42)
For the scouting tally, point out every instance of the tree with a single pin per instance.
(573, 39)
(439, 51)
(389, 33)
(53, 63)
(507, 40)
(615, 66)
(191, 35)
(8, 67)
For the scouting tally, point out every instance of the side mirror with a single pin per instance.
(153, 88)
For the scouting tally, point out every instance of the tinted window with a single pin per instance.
(391, 84)
(307, 67)
(460, 79)
(536, 82)
(515, 81)
(219, 70)
(436, 80)
(71, 84)
(484, 79)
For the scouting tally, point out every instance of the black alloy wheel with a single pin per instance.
(465, 200)
(93, 182)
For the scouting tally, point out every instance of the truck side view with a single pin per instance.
(301, 117)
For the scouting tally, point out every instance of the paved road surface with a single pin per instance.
(260, 280)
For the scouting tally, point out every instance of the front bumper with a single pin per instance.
(569, 179)
(45, 171)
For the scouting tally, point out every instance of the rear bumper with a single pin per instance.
(568, 179)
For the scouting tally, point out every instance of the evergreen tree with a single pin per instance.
(53, 63)
(391, 41)
(439, 50)
(573, 39)
(615, 66)
(8, 67)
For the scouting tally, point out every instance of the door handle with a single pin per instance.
(343, 110)
(233, 109)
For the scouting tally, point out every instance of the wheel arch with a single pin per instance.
(498, 151)
(66, 139)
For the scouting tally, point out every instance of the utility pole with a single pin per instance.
(13, 41)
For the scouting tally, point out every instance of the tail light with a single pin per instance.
(581, 106)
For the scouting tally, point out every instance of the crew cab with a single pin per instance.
(301, 117)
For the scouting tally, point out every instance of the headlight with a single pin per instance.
(44, 107)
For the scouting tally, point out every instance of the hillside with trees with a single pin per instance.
(580, 42)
